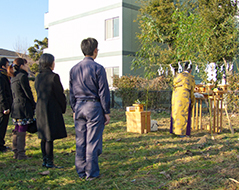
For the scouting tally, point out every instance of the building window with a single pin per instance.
(112, 28)
(110, 73)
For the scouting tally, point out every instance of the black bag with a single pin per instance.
(32, 127)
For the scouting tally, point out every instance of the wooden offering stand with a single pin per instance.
(216, 105)
(138, 120)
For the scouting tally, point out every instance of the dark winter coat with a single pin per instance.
(51, 104)
(23, 102)
(5, 92)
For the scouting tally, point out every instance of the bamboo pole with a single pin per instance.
(197, 115)
(217, 127)
(193, 117)
(200, 116)
(214, 112)
(221, 116)
(210, 116)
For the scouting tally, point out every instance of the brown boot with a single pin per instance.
(14, 144)
(21, 142)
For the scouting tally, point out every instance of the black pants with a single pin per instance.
(47, 149)
(3, 128)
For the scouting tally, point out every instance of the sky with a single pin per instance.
(22, 21)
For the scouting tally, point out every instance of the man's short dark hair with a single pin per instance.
(3, 62)
(46, 60)
(88, 46)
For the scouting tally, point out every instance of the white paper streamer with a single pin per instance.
(189, 65)
(221, 68)
(180, 69)
(172, 69)
(227, 66)
(211, 72)
(160, 70)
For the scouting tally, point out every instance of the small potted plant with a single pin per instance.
(139, 105)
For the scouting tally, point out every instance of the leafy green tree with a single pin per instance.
(157, 34)
(34, 68)
(36, 51)
(220, 16)
(171, 31)
(191, 38)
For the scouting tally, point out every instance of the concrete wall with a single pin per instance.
(69, 22)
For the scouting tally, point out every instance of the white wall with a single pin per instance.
(61, 9)
(69, 22)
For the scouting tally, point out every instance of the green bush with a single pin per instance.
(34, 93)
(127, 88)
(34, 68)
(131, 88)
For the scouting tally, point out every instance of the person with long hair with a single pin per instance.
(51, 104)
(182, 102)
(5, 101)
(23, 106)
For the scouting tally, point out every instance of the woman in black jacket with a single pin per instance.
(23, 105)
(5, 101)
(51, 104)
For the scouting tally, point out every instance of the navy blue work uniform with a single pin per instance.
(90, 101)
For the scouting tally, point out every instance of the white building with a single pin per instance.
(111, 22)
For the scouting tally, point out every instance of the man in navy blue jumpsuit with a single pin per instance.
(90, 102)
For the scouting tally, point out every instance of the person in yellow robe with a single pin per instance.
(182, 101)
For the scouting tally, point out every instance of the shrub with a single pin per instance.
(131, 88)
(34, 68)
(127, 88)
(34, 93)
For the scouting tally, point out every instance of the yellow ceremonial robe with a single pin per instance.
(182, 101)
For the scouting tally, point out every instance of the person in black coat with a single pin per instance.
(51, 104)
(23, 105)
(5, 101)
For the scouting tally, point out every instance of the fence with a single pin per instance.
(156, 99)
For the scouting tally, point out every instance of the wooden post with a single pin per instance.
(200, 116)
(193, 117)
(221, 116)
(210, 128)
(214, 112)
(143, 122)
(197, 114)
(217, 129)
(148, 128)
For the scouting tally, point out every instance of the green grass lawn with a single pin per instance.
(155, 160)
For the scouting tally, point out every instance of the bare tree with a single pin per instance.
(21, 48)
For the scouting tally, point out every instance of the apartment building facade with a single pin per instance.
(111, 22)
